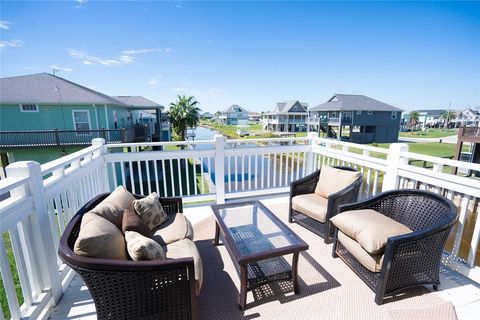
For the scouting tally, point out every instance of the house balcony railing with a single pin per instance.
(37, 201)
(62, 138)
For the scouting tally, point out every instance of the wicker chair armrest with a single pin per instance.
(365, 204)
(304, 185)
(172, 205)
(348, 195)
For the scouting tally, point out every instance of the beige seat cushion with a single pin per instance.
(99, 238)
(312, 205)
(332, 180)
(369, 228)
(150, 210)
(177, 227)
(372, 262)
(183, 249)
(112, 207)
(140, 247)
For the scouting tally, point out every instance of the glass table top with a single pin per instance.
(253, 228)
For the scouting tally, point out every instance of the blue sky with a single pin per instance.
(417, 55)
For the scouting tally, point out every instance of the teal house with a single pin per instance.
(43, 117)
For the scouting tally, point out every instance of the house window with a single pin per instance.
(359, 112)
(28, 108)
(369, 112)
(81, 120)
(394, 115)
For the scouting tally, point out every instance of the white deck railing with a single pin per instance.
(38, 201)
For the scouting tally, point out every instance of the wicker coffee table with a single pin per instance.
(257, 241)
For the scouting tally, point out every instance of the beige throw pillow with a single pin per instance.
(99, 238)
(332, 180)
(150, 210)
(112, 207)
(369, 228)
(143, 248)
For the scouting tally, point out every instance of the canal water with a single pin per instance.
(242, 168)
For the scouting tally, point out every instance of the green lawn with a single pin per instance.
(18, 289)
(429, 133)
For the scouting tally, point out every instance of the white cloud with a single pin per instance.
(57, 67)
(80, 3)
(11, 44)
(88, 59)
(140, 51)
(4, 24)
(124, 58)
(155, 82)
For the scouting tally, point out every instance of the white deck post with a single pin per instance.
(310, 155)
(40, 224)
(220, 168)
(394, 160)
(104, 169)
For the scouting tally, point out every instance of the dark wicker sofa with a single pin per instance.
(411, 259)
(307, 185)
(157, 289)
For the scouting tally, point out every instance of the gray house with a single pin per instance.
(356, 118)
(288, 116)
(233, 115)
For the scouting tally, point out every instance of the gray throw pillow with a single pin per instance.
(150, 210)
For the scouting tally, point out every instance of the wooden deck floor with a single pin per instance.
(460, 291)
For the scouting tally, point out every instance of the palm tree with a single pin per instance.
(184, 113)
(413, 121)
(446, 116)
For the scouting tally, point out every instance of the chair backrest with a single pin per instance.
(418, 209)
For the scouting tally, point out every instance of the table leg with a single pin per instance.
(242, 299)
(217, 234)
(295, 273)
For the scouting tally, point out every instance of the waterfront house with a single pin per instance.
(43, 117)
(467, 117)
(356, 118)
(207, 116)
(288, 116)
(233, 115)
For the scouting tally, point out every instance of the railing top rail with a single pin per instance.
(267, 140)
(61, 162)
(154, 144)
(352, 145)
(443, 161)
(11, 183)
(61, 131)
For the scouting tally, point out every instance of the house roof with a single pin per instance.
(137, 101)
(284, 106)
(47, 88)
(340, 102)
(231, 110)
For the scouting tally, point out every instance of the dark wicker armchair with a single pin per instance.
(410, 259)
(307, 185)
(161, 289)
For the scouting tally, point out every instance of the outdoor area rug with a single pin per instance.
(328, 288)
